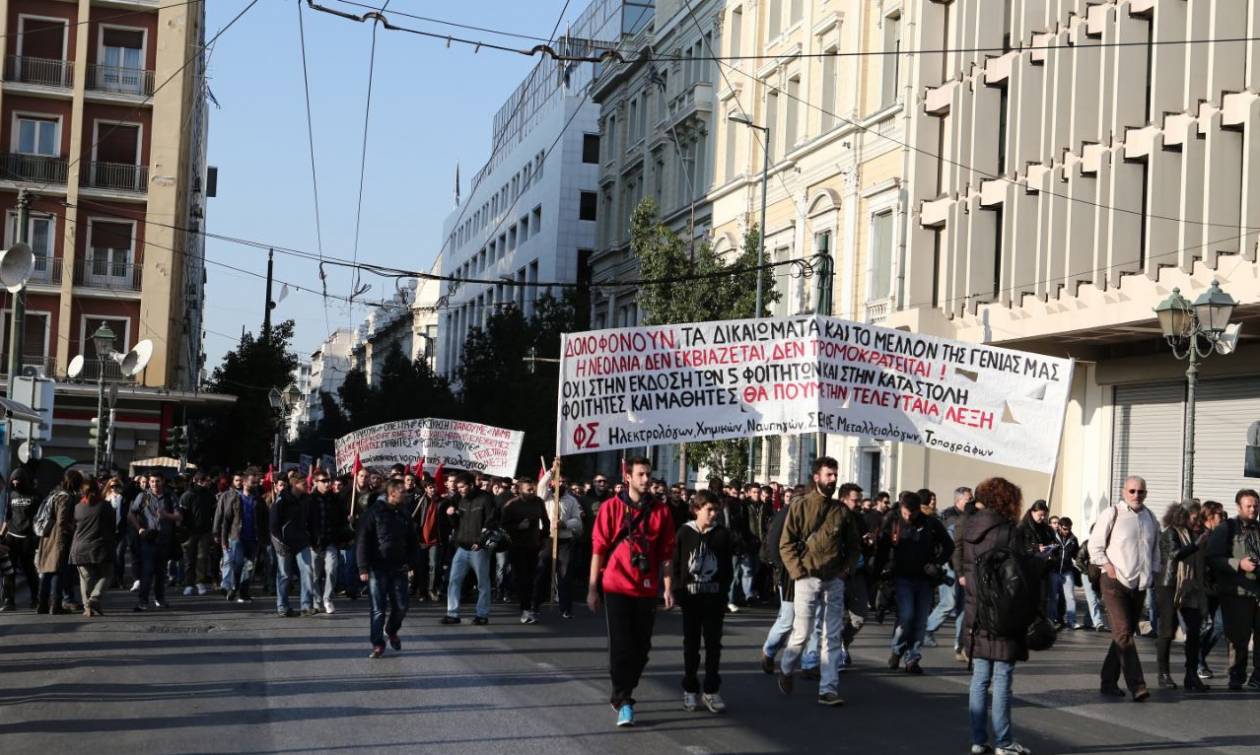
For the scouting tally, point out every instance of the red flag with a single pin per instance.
(310, 475)
(358, 464)
(439, 479)
(420, 468)
(268, 478)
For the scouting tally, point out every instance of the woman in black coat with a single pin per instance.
(92, 549)
(993, 658)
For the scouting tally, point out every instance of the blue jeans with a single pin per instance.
(914, 602)
(241, 555)
(1213, 630)
(1093, 601)
(742, 580)
(387, 589)
(986, 674)
(949, 598)
(286, 565)
(812, 597)
(463, 560)
(350, 572)
(1064, 583)
(782, 629)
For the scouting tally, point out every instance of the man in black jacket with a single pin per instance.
(385, 543)
(330, 532)
(291, 539)
(911, 550)
(197, 504)
(474, 513)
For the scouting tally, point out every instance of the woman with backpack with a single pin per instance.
(993, 655)
(55, 526)
(1180, 591)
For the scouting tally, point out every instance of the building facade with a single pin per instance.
(530, 212)
(1064, 184)
(388, 324)
(326, 372)
(103, 121)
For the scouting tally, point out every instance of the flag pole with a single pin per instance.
(555, 531)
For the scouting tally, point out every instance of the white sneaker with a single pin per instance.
(189, 590)
(532, 617)
(135, 586)
(714, 703)
(203, 589)
(1014, 748)
(690, 702)
(328, 608)
(732, 608)
(524, 617)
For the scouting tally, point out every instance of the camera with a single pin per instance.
(937, 574)
(639, 561)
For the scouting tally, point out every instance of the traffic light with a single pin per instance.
(177, 440)
(94, 432)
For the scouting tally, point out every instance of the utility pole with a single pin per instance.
(16, 320)
(271, 256)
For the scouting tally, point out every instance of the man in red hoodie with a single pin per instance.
(632, 544)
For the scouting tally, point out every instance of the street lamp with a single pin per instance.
(282, 402)
(103, 341)
(1185, 327)
(744, 120)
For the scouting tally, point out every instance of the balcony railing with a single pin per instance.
(92, 369)
(41, 71)
(43, 362)
(34, 168)
(121, 176)
(878, 310)
(114, 276)
(120, 79)
(47, 271)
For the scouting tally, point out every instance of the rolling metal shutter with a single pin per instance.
(1223, 412)
(1146, 441)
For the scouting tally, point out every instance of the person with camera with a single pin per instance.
(384, 544)
(632, 546)
(993, 654)
(1233, 552)
(473, 515)
(154, 516)
(911, 552)
(820, 547)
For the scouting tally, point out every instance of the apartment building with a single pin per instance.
(103, 121)
(834, 195)
(530, 214)
(1063, 185)
(388, 324)
(326, 371)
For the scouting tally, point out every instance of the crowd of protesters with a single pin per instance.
(831, 558)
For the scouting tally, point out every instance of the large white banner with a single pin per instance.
(635, 387)
(458, 445)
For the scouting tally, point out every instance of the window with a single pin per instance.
(732, 137)
(774, 455)
(537, 218)
(662, 93)
(641, 126)
(590, 148)
(634, 121)
(35, 329)
(701, 164)
(110, 251)
(881, 256)
(524, 224)
(780, 307)
(793, 107)
(511, 245)
(658, 182)
(737, 29)
(39, 231)
(527, 173)
(38, 136)
(822, 295)
(121, 66)
(829, 91)
(892, 63)
(587, 206)
(798, 10)
(612, 136)
(774, 19)
(772, 121)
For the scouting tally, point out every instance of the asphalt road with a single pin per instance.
(208, 676)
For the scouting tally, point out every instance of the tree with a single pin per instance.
(497, 357)
(244, 433)
(405, 389)
(727, 295)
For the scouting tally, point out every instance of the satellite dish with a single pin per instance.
(1228, 341)
(76, 367)
(138, 358)
(30, 451)
(16, 265)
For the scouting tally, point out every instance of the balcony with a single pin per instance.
(44, 72)
(34, 168)
(116, 176)
(92, 369)
(45, 363)
(106, 275)
(47, 272)
(877, 311)
(120, 80)
(694, 102)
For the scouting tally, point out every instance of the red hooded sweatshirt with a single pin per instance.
(653, 535)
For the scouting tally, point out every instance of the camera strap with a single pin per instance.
(631, 525)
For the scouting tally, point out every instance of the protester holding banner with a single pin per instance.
(632, 544)
(568, 531)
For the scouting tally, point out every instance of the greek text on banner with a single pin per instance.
(654, 385)
(457, 445)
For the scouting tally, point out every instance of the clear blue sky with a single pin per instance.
(431, 106)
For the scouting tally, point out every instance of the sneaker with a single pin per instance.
(812, 674)
(960, 655)
(284, 613)
(394, 641)
(894, 660)
(481, 621)
(231, 596)
(309, 612)
(1205, 672)
(732, 608)
(328, 608)
(161, 604)
(189, 590)
(1014, 748)
(690, 701)
(243, 599)
(1253, 684)
(625, 716)
(140, 608)
(135, 586)
(830, 698)
(913, 667)
(450, 619)
(1077, 627)
(929, 640)
(785, 682)
(714, 703)
(1141, 694)
(1111, 690)
(566, 615)
(524, 617)
(203, 589)
(981, 750)
(767, 664)
(531, 617)
(377, 652)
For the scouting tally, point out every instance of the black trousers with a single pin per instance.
(1124, 610)
(1242, 624)
(702, 618)
(524, 564)
(22, 555)
(1168, 628)
(630, 622)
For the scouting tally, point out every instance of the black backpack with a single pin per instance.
(1008, 593)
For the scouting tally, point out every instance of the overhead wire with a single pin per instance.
(310, 137)
(453, 24)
